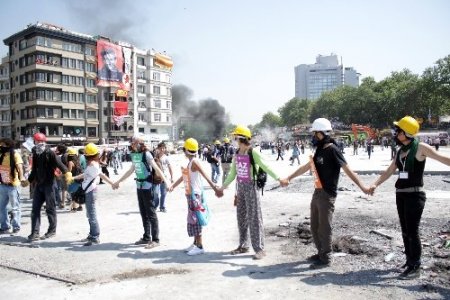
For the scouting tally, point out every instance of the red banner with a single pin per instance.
(120, 108)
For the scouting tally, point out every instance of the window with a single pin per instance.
(169, 91)
(40, 112)
(80, 64)
(92, 131)
(91, 114)
(153, 130)
(90, 83)
(157, 117)
(141, 130)
(22, 44)
(141, 89)
(41, 41)
(156, 76)
(91, 98)
(80, 114)
(89, 51)
(72, 47)
(168, 78)
(157, 90)
(141, 117)
(65, 114)
(141, 61)
(73, 113)
(168, 105)
(90, 67)
(141, 75)
(157, 103)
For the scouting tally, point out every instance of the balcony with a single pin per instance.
(141, 67)
(142, 109)
(5, 92)
(142, 80)
(4, 77)
(141, 95)
(142, 123)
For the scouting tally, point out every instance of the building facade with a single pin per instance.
(311, 80)
(55, 88)
(5, 111)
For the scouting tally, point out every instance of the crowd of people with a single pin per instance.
(240, 162)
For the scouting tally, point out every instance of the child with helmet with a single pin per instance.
(410, 195)
(191, 175)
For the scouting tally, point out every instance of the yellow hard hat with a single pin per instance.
(226, 140)
(90, 149)
(72, 151)
(242, 131)
(409, 125)
(191, 145)
(217, 142)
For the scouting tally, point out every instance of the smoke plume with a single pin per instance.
(117, 20)
(204, 120)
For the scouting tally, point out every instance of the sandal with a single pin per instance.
(239, 250)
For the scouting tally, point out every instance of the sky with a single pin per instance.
(243, 53)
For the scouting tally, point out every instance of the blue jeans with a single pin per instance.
(215, 172)
(57, 188)
(91, 213)
(9, 195)
(159, 195)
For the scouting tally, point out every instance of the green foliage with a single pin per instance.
(375, 103)
(295, 111)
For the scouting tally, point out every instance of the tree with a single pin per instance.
(295, 111)
(270, 120)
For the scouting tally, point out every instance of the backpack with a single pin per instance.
(156, 178)
(209, 156)
(261, 176)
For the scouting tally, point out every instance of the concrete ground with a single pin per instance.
(117, 269)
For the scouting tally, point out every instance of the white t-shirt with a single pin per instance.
(91, 172)
(165, 163)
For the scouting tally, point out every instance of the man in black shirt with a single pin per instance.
(325, 165)
(42, 175)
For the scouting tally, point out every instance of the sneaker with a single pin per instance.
(34, 237)
(189, 248)
(141, 242)
(196, 251)
(16, 230)
(239, 250)
(152, 245)
(86, 239)
(320, 264)
(92, 241)
(4, 231)
(163, 210)
(410, 273)
(80, 208)
(259, 255)
(61, 206)
(48, 235)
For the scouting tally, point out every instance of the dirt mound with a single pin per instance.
(353, 245)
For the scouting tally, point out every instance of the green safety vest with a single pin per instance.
(139, 166)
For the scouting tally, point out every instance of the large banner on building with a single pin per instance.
(110, 66)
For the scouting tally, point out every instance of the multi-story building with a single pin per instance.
(5, 112)
(54, 88)
(325, 75)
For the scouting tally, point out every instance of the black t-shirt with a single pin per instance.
(328, 163)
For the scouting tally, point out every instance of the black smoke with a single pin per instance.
(204, 120)
(118, 20)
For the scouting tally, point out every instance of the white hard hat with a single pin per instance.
(321, 124)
